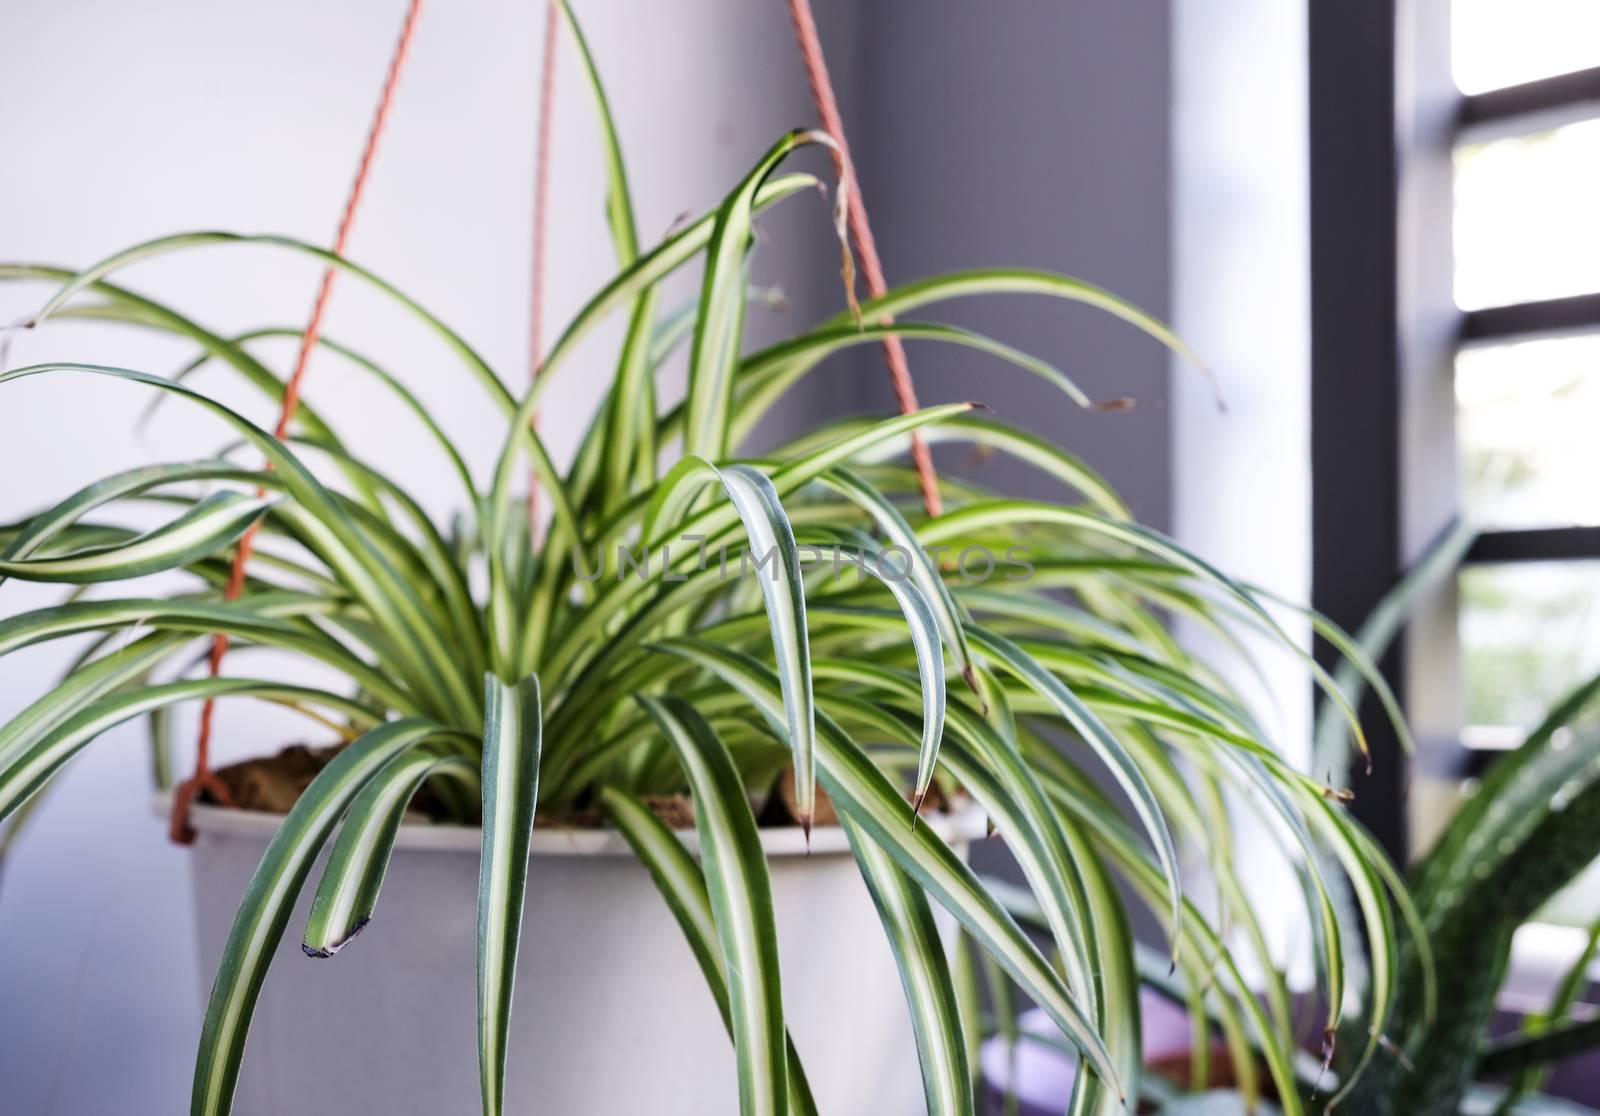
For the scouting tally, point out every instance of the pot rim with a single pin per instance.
(969, 823)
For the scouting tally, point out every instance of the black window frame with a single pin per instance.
(1384, 335)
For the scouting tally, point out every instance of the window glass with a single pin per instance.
(1530, 632)
(1526, 223)
(1495, 43)
(1528, 433)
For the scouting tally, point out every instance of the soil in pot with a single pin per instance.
(273, 784)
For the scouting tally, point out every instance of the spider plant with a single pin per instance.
(510, 674)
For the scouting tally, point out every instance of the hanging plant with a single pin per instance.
(503, 674)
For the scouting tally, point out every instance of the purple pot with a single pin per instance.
(1041, 1076)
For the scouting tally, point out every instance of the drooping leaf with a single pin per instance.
(359, 860)
(269, 901)
(212, 524)
(741, 900)
(919, 952)
(512, 735)
(856, 785)
(683, 886)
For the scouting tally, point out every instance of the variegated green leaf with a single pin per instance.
(27, 770)
(771, 540)
(513, 726)
(269, 901)
(683, 887)
(719, 328)
(354, 874)
(766, 375)
(82, 686)
(741, 899)
(213, 524)
(856, 785)
(924, 631)
(921, 567)
(419, 630)
(51, 522)
(924, 973)
(1094, 732)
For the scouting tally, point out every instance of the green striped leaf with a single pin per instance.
(1003, 785)
(920, 565)
(716, 522)
(765, 376)
(741, 899)
(512, 734)
(767, 527)
(82, 686)
(683, 887)
(651, 267)
(1119, 842)
(857, 786)
(626, 425)
(719, 327)
(924, 631)
(924, 973)
(354, 874)
(1094, 732)
(1012, 513)
(265, 618)
(1014, 281)
(183, 242)
(986, 433)
(213, 524)
(29, 769)
(418, 630)
(269, 901)
(48, 524)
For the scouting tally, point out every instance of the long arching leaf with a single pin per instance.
(269, 901)
(771, 539)
(683, 887)
(741, 899)
(924, 973)
(360, 858)
(855, 784)
(513, 728)
(211, 525)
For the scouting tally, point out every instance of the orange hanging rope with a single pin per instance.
(541, 226)
(541, 191)
(204, 778)
(894, 353)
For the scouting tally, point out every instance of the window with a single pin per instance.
(1456, 363)
(1526, 240)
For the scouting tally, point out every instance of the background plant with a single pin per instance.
(1528, 829)
(478, 663)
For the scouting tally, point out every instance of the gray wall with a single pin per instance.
(1036, 134)
(1030, 134)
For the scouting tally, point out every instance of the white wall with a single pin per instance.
(125, 121)
(1241, 260)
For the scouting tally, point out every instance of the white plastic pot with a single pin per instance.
(611, 1015)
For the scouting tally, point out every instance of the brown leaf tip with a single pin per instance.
(330, 950)
(1115, 405)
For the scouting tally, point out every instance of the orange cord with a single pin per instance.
(894, 353)
(541, 228)
(204, 778)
